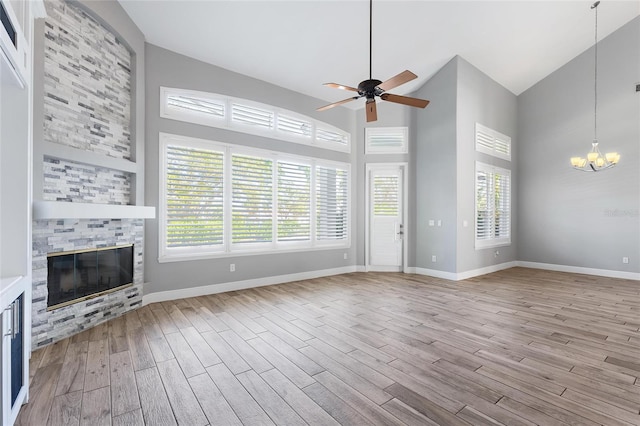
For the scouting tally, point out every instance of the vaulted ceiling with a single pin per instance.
(300, 44)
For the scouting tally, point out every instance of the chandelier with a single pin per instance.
(595, 161)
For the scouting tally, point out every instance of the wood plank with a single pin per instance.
(306, 408)
(215, 407)
(73, 370)
(245, 407)
(154, 401)
(96, 406)
(160, 349)
(139, 348)
(242, 348)
(337, 408)
(43, 386)
(185, 356)
(66, 409)
(200, 347)
(227, 354)
(124, 391)
(132, 418)
(183, 402)
(282, 363)
(423, 405)
(275, 407)
(406, 414)
(54, 353)
(97, 374)
(305, 363)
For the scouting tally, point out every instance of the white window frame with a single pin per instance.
(229, 249)
(274, 132)
(491, 170)
(371, 132)
(492, 142)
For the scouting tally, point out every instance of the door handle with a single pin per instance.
(16, 318)
(11, 321)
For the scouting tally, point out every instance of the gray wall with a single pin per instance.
(568, 217)
(435, 171)
(166, 68)
(481, 100)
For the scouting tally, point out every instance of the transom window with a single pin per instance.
(386, 140)
(243, 115)
(218, 199)
(492, 142)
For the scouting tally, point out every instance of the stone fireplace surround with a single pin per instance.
(77, 234)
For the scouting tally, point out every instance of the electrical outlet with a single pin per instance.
(465, 223)
(439, 222)
(625, 259)
(346, 256)
(434, 258)
(232, 267)
(496, 253)
(431, 222)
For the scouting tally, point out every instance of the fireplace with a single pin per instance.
(74, 276)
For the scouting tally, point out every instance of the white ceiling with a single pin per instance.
(300, 44)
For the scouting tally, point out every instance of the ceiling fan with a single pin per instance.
(371, 88)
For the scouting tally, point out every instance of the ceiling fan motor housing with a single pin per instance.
(369, 88)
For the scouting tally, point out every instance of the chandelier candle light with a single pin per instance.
(595, 161)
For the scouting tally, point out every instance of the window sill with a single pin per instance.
(168, 258)
(491, 244)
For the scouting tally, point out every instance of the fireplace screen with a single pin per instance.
(78, 275)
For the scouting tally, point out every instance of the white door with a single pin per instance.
(386, 227)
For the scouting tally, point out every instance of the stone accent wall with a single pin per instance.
(51, 236)
(87, 83)
(68, 181)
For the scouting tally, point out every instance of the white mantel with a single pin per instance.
(67, 210)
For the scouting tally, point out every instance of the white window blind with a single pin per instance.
(332, 136)
(204, 107)
(492, 142)
(250, 117)
(294, 202)
(252, 199)
(245, 114)
(294, 126)
(194, 197)
(386, 195)
(493, 206)
(386, 140)
(331, 203)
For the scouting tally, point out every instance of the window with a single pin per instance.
(493, 206)
(386, 140)
(242, 115)
(491, 142)
(331, 211)
(294, 202)
(218, 199)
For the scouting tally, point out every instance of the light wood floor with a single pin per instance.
(517, 347)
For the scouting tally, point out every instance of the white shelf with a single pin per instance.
(66, 210)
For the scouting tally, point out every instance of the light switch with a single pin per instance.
(431, 222)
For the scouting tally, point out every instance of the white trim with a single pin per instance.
(65, 210)
(162, 296)
(459, 276)
(581, 270)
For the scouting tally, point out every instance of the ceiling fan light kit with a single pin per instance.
(371, 88)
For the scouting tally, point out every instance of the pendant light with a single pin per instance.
(595, 161)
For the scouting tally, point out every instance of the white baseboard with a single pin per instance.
(581, 270)
(457, 276)
(162, 296)
(453, 276)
